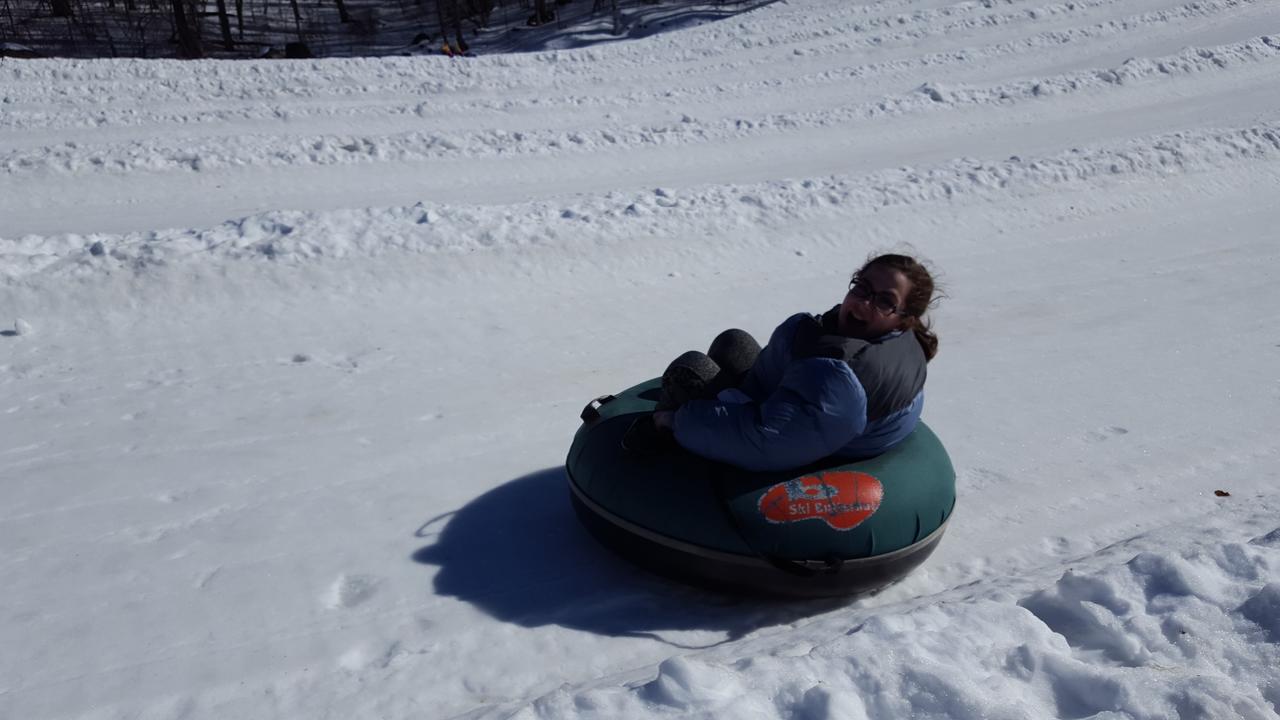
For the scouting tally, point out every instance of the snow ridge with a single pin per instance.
(270, 150)
(296, 236)
(1158, 626)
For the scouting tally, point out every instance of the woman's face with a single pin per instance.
(873, 306)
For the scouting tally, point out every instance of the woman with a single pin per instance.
(848, 383)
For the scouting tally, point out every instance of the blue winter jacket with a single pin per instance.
(796, 406)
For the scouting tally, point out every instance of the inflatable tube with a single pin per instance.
(831, 528)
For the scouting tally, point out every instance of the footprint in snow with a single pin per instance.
(978, 478)
(349, 591)
(1106, 433)
(368, 657)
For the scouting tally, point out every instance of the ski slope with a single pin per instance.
(298, 348)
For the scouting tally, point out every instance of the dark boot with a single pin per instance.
(735, 351)
(688, 377)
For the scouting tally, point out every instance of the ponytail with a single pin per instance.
(925, 336)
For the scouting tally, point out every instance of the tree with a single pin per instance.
(188, 41)
(224, 23)
(540, 13)
(297, 18)
(62, 8)
(451, 19)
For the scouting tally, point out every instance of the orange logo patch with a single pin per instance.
(842, 499)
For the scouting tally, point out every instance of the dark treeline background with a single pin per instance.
(318, 28)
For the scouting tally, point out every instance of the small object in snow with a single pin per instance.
(933, 92)
(20, 327)
(97, 249)
(301, 358)
(1222, 493)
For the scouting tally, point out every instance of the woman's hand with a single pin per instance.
(664, 419)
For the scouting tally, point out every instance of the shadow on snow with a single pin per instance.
(519, 554)
(595, 28)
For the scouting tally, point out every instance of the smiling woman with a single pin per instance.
(847, 384)
(808, 471)
(901, 290)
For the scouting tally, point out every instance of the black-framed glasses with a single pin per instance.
(883, 301)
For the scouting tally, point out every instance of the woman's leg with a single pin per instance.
(691, 376)
(735, 351)
(688, 377)
(701, 375)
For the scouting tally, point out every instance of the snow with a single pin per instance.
(293, 351)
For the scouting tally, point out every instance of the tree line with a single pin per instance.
(274, 28)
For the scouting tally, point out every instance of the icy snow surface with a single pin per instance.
(291, 354)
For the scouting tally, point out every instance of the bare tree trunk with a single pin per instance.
(451, 19)
(541, 15)
(343, 15)
(111, 41)
(8, 10)
(188, 43)
(224, 23)
(480, 11)
(297, 17)
(62, 8)
(240, 18)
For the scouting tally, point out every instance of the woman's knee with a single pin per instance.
(735, 351)
(688, 377)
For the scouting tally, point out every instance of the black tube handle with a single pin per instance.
(591, 412)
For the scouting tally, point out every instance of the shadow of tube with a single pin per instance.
(519, 554)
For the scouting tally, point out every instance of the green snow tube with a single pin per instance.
(831, 528)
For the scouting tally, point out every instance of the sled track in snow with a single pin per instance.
(292, 150)
(187, 91)
(761, 95)
(298, 237)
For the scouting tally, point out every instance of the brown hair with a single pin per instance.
(919, 299)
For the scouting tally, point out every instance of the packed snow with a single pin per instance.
(291, 353)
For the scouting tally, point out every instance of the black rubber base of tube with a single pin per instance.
(753, 575)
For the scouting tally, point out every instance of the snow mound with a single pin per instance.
(1155, 627)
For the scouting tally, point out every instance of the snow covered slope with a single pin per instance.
(297, 349)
